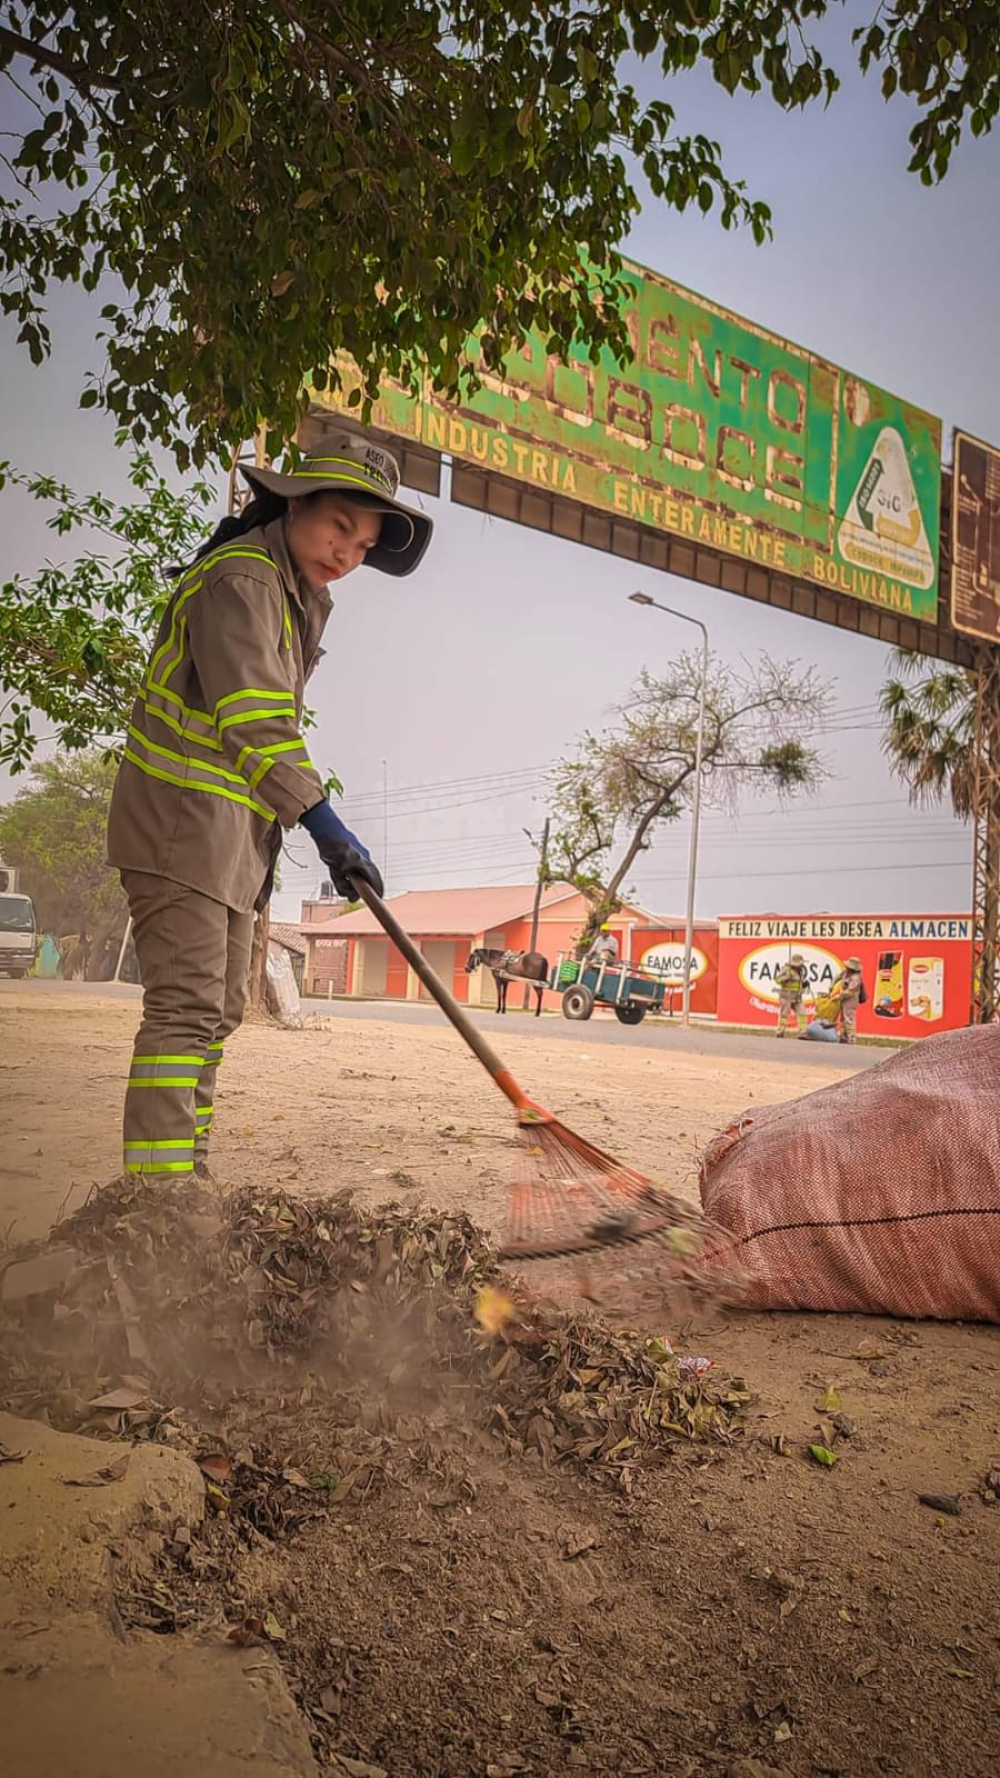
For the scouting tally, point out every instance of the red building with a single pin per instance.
(448, 924)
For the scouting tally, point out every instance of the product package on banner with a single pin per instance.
(916, 968)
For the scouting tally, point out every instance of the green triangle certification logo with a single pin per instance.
(884, 527)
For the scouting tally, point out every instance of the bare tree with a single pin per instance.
(621, 786)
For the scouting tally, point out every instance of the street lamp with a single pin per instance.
(645, 599)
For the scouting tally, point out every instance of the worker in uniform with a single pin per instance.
(604, 948)
(215, 766)
(792, 983)
(849, 989)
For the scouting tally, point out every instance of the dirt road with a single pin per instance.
(748, 1613)
(387, 1108)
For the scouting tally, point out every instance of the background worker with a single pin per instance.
(604, 948)
(215, 766)
(792, 983)
(849, 989)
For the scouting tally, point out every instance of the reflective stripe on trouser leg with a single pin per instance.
(204, 1099)
(181, 941)
(159, 1112)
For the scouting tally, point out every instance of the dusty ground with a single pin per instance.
(388, 1109)
(744, 1611)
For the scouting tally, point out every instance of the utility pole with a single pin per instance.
(986, 809)
(645, 599)
(543, 863)
(385, 821)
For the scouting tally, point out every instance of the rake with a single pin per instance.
(579, 1200)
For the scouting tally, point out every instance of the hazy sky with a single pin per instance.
(468, 679)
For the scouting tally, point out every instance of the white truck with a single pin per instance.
(18, 935)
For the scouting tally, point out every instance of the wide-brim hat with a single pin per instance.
(853, 963)
(348, 463)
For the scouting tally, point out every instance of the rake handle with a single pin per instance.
(481, 1048)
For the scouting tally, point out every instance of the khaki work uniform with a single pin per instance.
(851, 990)
(791, 983)
(214, 766)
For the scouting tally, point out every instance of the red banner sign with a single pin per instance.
(916, 968)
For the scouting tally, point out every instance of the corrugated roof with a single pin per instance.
(289, 936)
(463, 913)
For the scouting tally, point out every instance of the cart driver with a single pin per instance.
(604, 949)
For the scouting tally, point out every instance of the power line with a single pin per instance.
(851, 870)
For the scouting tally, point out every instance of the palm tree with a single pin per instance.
(930, 732)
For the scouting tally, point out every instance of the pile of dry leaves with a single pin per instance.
(318, 1340)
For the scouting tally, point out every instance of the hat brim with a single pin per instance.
(405, 533)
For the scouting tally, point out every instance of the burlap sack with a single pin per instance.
(880, 1194)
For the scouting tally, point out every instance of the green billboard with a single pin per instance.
(718, 432)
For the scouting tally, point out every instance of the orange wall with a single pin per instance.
(395, 975)
(396, 971)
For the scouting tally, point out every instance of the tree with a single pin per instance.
(269, 184)
(74, 636)
(54, 832)
(930, 732)
(618, 790)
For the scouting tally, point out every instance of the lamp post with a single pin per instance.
(645, 599)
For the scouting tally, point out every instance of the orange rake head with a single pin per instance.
(581, 1201)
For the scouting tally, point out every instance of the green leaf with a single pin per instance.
(822, 1454)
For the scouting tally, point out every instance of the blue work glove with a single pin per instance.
(341, 851)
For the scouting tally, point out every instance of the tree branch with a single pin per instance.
(59, 64)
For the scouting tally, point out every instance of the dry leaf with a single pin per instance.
(683, 1242)
(217, 1467)
(273, 1630)
(248, 1634)
(120, 1399)
(112, 1472)
(7, 1456)
(577, 1544)
(942, 1503)
(494, 1309)
(829, 1402)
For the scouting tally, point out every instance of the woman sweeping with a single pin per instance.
(215, 766)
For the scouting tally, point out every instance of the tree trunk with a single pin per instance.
(258, 960)
(599, 912)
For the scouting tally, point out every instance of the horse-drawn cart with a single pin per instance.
(629, 991)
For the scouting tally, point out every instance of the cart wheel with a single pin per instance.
(577, 1002)
(631, 1014)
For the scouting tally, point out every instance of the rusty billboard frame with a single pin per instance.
(975, 538)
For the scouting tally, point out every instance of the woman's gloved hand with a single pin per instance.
(341, 851)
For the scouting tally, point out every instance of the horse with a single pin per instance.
(512, 966)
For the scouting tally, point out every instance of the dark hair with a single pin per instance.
(258, 511)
